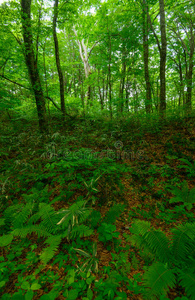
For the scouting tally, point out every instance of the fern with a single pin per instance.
(152, 241)
(37, 229)
(189, 166)
(157, 280)
(114, 213)
(183, 241)
(49, 252)
(10, 213)
(48, 217)
(81, 231)
(23, 216)
(42, 219)
(188, 281)
(176, 258)
(183, 195)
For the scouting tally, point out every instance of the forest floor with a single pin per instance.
(148, 167)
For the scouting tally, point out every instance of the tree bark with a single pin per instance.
(162, 47)
(189, 74)
(181, 92)
(109, 72)
(122, 84)
(57, 56)
(100, 94)
(31, 64)
(85, 59)
(146, 58)
(163, 54)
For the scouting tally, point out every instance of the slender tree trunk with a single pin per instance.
(181, 92)
(127, 100)
(81, 88)
(106, 90)
(103, 93)
(85, 59)
(122, 84)
(100, 94)
(45, 75)
(57, 56)
(31, 64)
(190, 73)
(146, 58)
(109, 73)
(163, 54)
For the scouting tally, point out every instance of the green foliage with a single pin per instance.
(91, 264)
(114, 213)
(183, 195)
(158, 279)
(43, 220)
(5, 240)
(190, 167)
(95, 218)
(174, 258)
(107, 232)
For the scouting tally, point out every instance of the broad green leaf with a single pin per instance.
(29, 295)
(5, 240)
(25, 285)
(35, 286)
(2, 283)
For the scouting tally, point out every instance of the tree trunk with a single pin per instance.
(57, 56)
(100, 94)
(31, 64)
(190, 74)
(109, 73)
(146, 58)
(181, 92)
(45, 75)
(163, 54)
(122, 84)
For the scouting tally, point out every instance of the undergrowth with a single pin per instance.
(99, 210)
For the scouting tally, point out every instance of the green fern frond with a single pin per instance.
(159, 279)
(49, 252)
(114, 213)
(11, 212)
(81, 231)
(183, 195)
(151, 240)
(48, 217)
(187, 280)
(159, 244)
(23, 216)
(140, 227)
(37, 229)
(183, 241)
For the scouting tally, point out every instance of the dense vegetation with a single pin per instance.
(97, 186)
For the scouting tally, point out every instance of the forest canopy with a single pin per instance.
(104, 57)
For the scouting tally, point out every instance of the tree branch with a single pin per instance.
(4, 77)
